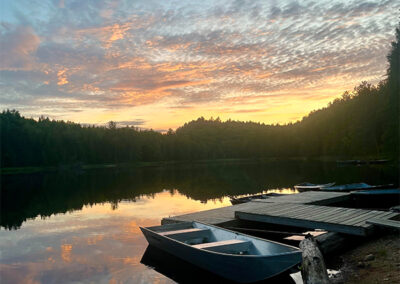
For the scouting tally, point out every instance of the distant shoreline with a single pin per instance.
(80, 166)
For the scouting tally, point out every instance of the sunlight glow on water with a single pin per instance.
(282, 191)
(99, 244)
(273, 190)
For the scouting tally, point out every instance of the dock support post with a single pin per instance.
(313, 269)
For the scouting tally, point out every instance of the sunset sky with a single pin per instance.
(158, 64)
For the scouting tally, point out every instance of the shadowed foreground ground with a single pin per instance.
(377, 261)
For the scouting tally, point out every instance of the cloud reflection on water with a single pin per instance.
(96, 244)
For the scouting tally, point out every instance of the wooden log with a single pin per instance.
(333, 242)
(313, 269)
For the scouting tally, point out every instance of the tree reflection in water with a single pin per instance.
(28, 196)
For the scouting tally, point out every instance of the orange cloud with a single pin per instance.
(62, 77)
(107, 34)
(118, 31)
(153, 86)
(94, 239)
(66, 252)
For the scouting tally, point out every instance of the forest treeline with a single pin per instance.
(364, 122)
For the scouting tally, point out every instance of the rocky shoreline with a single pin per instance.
(375, 261)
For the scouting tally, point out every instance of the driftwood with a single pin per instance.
(313, 269)
(331, 243)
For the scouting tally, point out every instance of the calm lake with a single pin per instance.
(83, 227)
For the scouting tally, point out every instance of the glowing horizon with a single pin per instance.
(160, 64)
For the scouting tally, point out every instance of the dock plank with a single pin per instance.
(361, 218)
(212, 216)
(384, 216)
(309, 197)
(302, 223)
(309, 211)
(345, 214)
(345, 220)
(385, 223)
(354, 216)
(279, 209)
(328, 213)
(374, 214)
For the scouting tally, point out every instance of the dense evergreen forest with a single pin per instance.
(364, 122)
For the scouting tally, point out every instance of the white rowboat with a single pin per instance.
(229, 254)
(312, 186)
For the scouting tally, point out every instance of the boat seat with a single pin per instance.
(187, 234)
(227, 246)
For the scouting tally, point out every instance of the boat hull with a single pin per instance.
(355, 186)
(310, 186)
(245, 199)
(239, 268)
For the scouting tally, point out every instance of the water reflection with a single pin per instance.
(66, 227)
(28, 196)
(98, 243)
(272, 190)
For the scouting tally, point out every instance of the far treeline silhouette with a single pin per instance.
(364, 122)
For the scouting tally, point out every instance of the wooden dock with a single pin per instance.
(299, 210)
(385, 223)
(309, 197)
(334, 219)
(227, 214)
(217, 216)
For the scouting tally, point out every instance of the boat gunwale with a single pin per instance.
(309, 185)
(351, 186)
(296, 251)
(377, 191)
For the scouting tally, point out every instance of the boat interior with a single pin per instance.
(211, 238)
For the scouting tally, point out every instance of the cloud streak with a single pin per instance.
(18, 46)
(57, 57)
